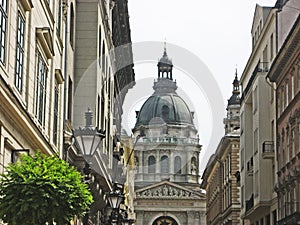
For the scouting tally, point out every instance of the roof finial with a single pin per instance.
(165, 47)
(236, 83)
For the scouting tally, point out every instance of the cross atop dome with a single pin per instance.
(165, 65)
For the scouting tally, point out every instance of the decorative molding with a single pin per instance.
(166, 191)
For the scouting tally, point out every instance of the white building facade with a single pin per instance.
(257, 115)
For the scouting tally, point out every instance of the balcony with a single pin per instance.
(171, 140)
(249, 203)
(268, 150)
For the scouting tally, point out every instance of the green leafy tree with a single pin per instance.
(42, 189)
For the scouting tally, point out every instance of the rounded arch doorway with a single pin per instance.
(164, 220)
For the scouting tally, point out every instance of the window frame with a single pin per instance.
(3, 30)
(41, 88)
(20, 52)
(151, 164)
(55, 113)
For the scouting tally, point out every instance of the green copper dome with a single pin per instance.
(167, 108)
(164, 106)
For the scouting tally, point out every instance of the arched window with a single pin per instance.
(151, 164)
(177, 165)
(164, 220)
(164, 167)
(136, 163)
(194, 165)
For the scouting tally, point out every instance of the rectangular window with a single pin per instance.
(255, 98)
(59, 15)
(98, 111)
(256, 183)
(242, 122)
(287, 94)
(242, 196)
(99, 45)
(242, 159)
(20, 53)
(272, 130)
(298, 78)
(293, 143)
(274, 217)
(3, 27)
(283, 153)
(272, 92)
(70, 99)
(287, 146)
(294, 200)
(265, 58)
(299, 137)
(268, 220)
(278, 94)
(255, 140)
(271, 47)
(282, 101)
(103, 57)
(293, 86)
(72, 25)
(41, 81)
(55, 119)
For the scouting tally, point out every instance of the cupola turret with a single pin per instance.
(165, 66)
(232, 121)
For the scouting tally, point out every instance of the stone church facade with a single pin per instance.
(167, 180)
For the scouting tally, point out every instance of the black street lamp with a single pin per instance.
(87, 140)
(115, 198)
(117, 216)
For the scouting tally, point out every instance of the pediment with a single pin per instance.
(167, 190)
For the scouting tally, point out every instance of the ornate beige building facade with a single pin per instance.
(58, 58)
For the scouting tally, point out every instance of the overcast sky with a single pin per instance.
(216, 31)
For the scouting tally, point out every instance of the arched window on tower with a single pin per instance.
(177, 165)
(151, 164)
(164, 167)
(194, 166)
(136, 163)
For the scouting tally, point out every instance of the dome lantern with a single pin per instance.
(165, 66)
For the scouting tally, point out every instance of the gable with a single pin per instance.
(167, 190)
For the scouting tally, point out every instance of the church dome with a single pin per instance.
(165, 108)
(234, 100)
